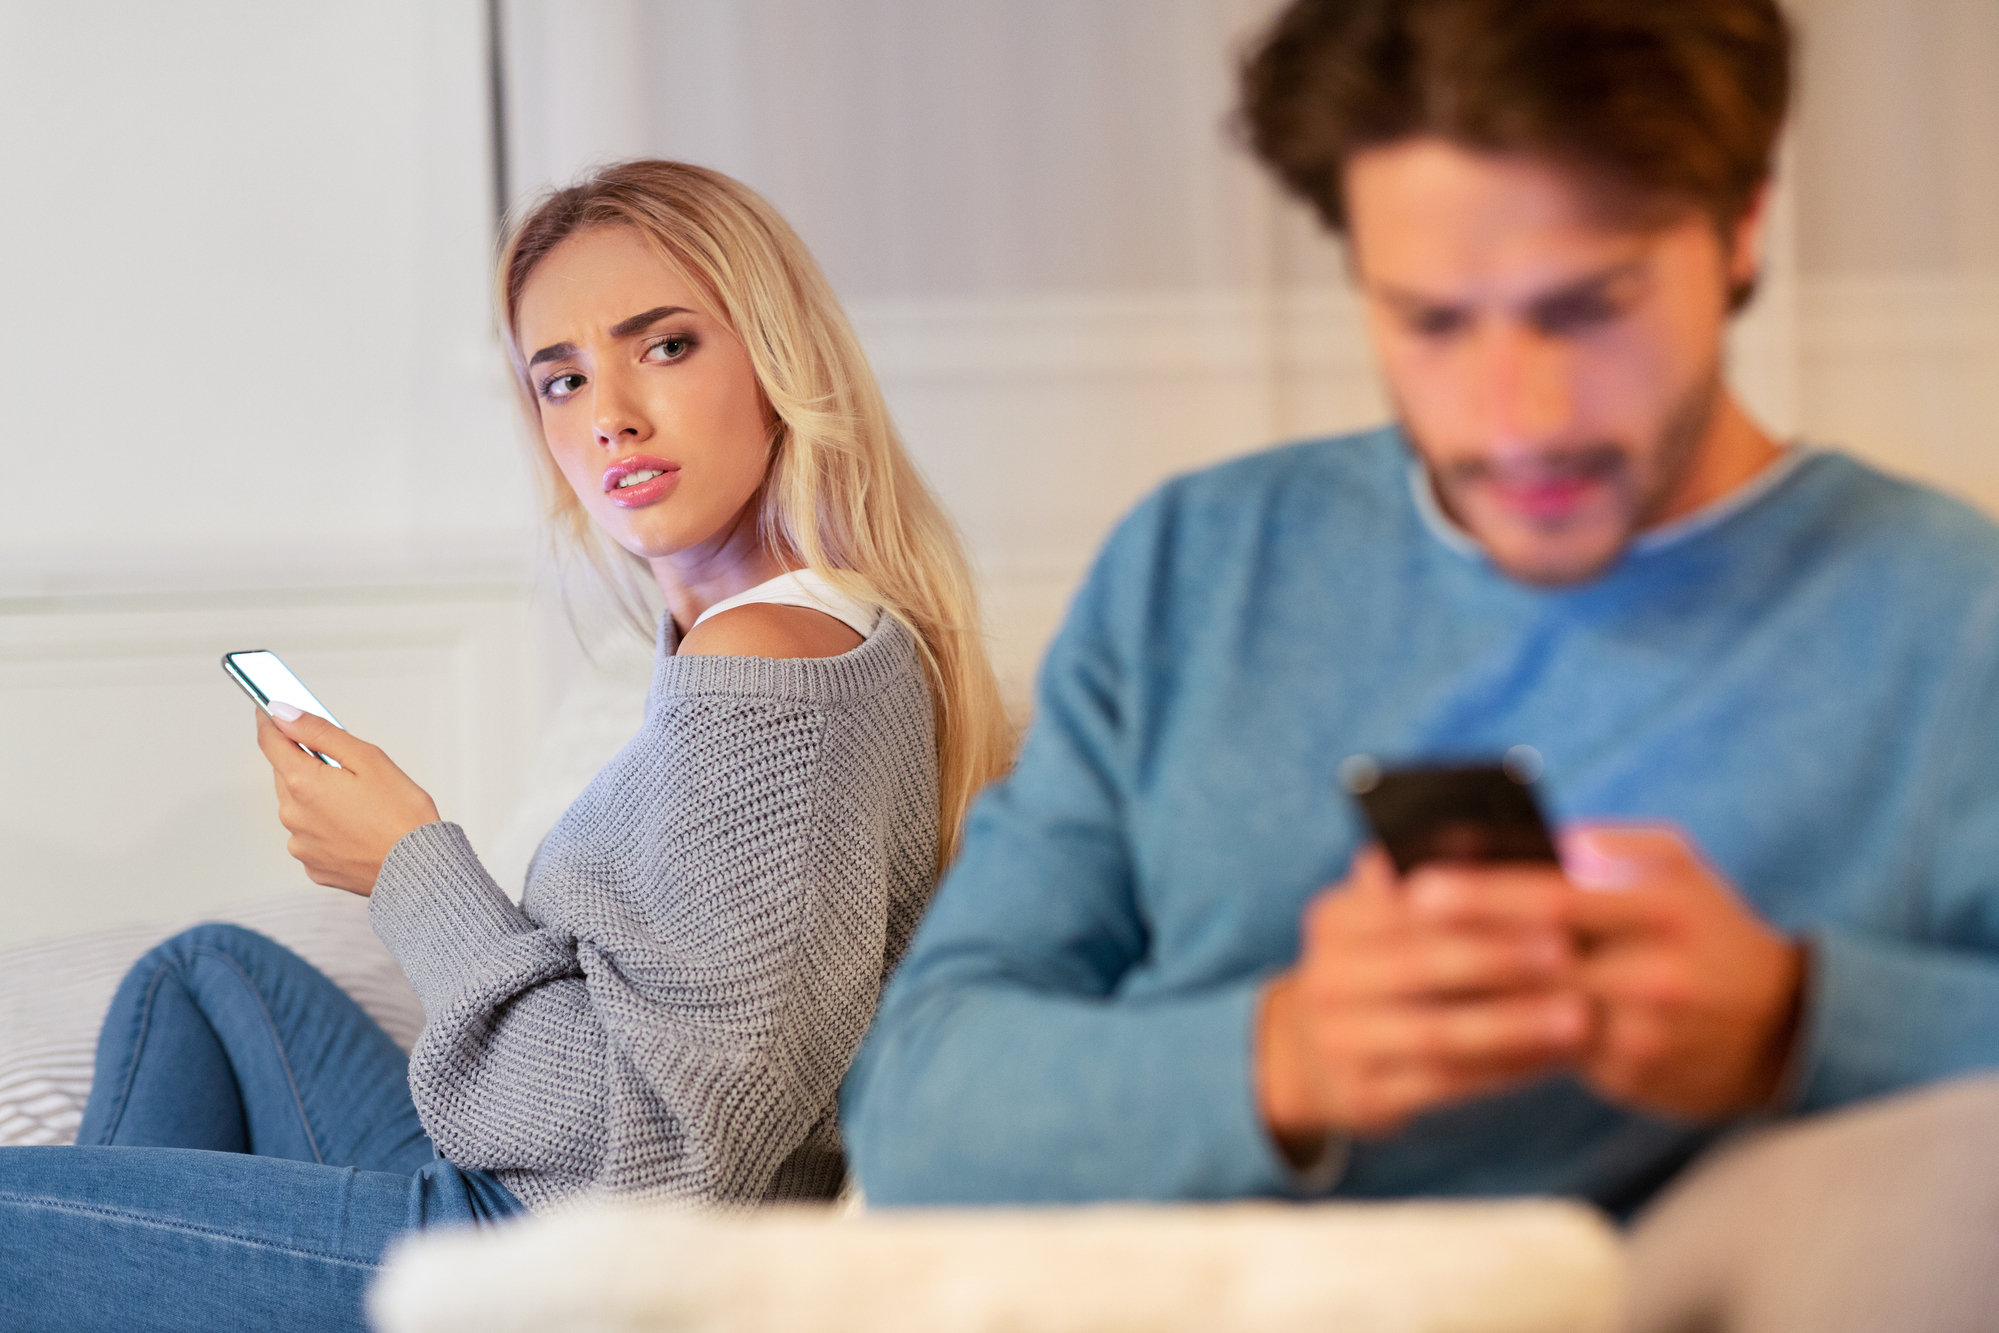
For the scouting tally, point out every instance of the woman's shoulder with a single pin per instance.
(768, 629)
(797, 613)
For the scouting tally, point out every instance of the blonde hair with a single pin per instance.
(841, 495)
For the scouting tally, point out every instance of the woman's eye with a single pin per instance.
(557, 387)
(669, 349)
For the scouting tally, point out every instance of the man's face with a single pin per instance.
(1559, 374)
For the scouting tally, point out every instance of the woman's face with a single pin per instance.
(647, 400)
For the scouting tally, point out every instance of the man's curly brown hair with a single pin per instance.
(1662, 103)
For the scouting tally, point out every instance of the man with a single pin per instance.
(1764, 682)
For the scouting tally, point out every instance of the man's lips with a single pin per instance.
(1553, 489)
(1544, 498)
(642, 492)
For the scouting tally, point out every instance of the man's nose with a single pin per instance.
(1523, 395)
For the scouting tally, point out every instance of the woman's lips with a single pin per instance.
(639, 493)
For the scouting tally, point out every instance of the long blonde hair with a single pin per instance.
(841, 496)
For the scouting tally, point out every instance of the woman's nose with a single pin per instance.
(619, 418)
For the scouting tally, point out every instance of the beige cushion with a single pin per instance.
(1884, 1215)
(1534, 1267)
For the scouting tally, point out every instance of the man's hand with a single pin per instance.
(1696, 997)
(343, 821)
(1456, 982)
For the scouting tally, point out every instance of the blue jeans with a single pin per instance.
(248, 1153)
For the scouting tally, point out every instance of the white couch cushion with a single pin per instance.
(1522, 1267)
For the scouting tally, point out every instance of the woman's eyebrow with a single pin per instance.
(638, 323)
(641, 322)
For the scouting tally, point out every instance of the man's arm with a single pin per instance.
(1912, 995)
(1003, 1065)
(1006, 1065)
(1706, 1010)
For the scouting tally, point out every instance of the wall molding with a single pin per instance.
(1196, 332)
(1130, 387)
(1318, 328)
(1920, 314)
(1039, 419)
(136, 791)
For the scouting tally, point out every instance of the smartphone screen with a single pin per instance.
(268, 680)
(1479, 812)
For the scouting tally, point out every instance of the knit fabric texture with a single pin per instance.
(701, 944)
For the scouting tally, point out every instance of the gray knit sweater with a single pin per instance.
(701, 944)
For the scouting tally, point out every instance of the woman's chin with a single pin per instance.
(647, 532)
(652, 541)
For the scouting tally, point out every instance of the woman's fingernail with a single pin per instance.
(285, 712)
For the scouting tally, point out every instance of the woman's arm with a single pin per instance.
(711, 925)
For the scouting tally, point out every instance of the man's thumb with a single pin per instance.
(1604, 856)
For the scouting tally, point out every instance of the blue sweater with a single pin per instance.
(1806, 678)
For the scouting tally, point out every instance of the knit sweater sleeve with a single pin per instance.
(704, 940)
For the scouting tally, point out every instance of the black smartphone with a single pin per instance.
(1460, 812)
(266, 679)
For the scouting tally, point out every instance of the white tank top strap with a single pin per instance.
(807, 588)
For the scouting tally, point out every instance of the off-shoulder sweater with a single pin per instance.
(701, 944)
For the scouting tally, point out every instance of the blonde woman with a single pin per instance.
(704, 934)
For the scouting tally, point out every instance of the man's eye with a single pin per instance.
(558, 387)
(1435, 323)
(1575, 315)
(669, 349)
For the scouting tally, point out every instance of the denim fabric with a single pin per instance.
(248, 1153)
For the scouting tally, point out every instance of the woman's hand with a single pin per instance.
(343, 821)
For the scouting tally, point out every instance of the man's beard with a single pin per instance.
(1655, 478)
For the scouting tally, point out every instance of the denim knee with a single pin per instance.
(131, 1004)
(131, 1025)
(238, 942)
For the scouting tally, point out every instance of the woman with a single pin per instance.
(704, 933)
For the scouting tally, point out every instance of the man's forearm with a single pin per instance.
(989, 1094)
(1881, 1015)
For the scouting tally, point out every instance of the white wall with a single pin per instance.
(245, 303)
(1072, 283)
(252, 400)
(1896, 168)
(1068, 278)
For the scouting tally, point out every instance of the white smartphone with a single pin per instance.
(268, 680)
